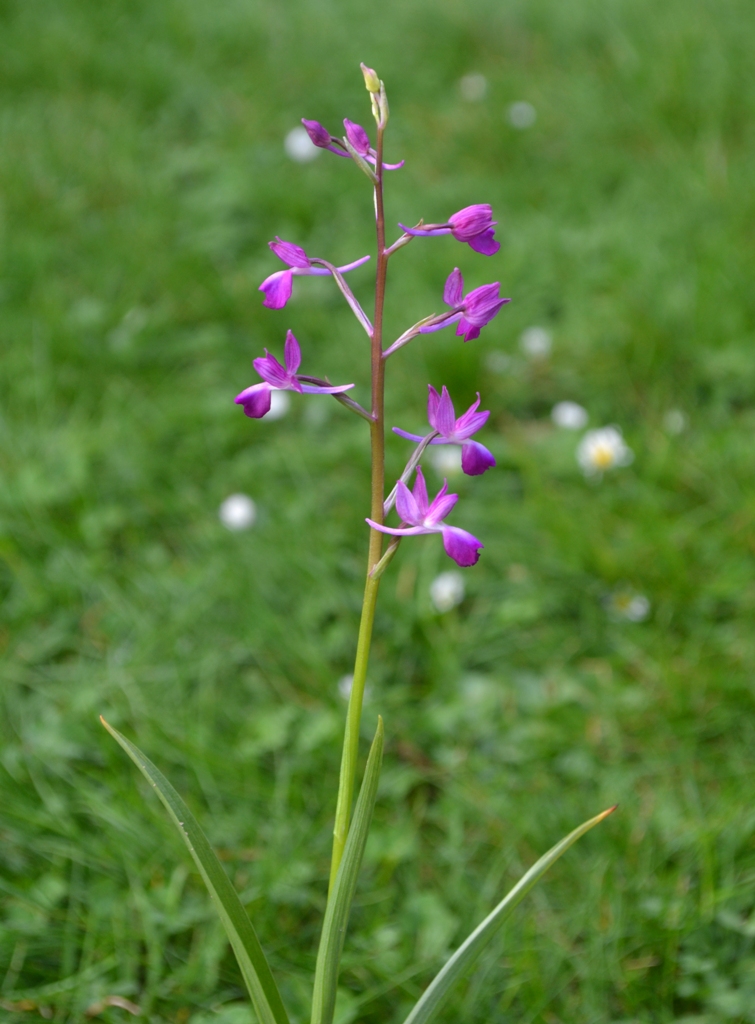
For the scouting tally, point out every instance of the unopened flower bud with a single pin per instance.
(371, 80)
(320, 136)
(357, 136)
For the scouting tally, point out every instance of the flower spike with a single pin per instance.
(475, 457)
(422, 516)
(278, 286)
(256, 399)
(473, 225)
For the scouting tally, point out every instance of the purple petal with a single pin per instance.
(255, 400)
(409, 437)
(441, 506)
(277, 289)
(485, 243)
(291, 254)
(470, 421)
(445, 417)
(292, 353)
(467, 330)
(433, 400)
(270, 370)
(357, 136)
(454, 289)
(420, 492)
(475, 458)
(316, 389)
(411, 531)
(482, 304)
(463, 547)
(394, 167)
(471, 221)
(407, 506)
(320, 136)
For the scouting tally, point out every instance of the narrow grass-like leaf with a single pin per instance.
(264, 993)
(339, 903)
(432, 999)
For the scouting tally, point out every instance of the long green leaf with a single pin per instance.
(264, 993)
(435, 994)
(339, 903)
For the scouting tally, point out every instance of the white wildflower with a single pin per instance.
(626, 604)
(536, 342)
(238, 512)
(675, 421)
(497, 361)
(447, 591)
(473, 87)
(445, 459)
(522, 114)
(280, 403)
(569, 415)
(299, 146)
(603, 449)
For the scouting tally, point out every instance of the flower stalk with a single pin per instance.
(350, 751)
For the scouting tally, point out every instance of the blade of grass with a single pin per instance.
(339, 903)
(432, 999)
(263, 991)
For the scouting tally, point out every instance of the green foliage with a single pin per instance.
(342, 896)
(259, 981)
(141, 174)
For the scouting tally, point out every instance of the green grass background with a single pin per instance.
(142, 172)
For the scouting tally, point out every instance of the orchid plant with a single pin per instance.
(474, 226)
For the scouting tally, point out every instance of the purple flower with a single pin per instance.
(475, 457)
(472, 311)
(278, 286)
(473, 225)
(256, 399)
(422, 517)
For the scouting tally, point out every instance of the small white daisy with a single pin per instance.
(675, 422)
(497, 361)
(238, 512)
(299, 146)
(603, 449)
(522, 114)
(569, 415)
(473, 87)
(447, 591)
(445, 459)
(626, 604)
(345, 684)
(536, 342)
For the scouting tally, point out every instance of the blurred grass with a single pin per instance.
(141, 174)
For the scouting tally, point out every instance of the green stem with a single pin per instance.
(377, 446)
